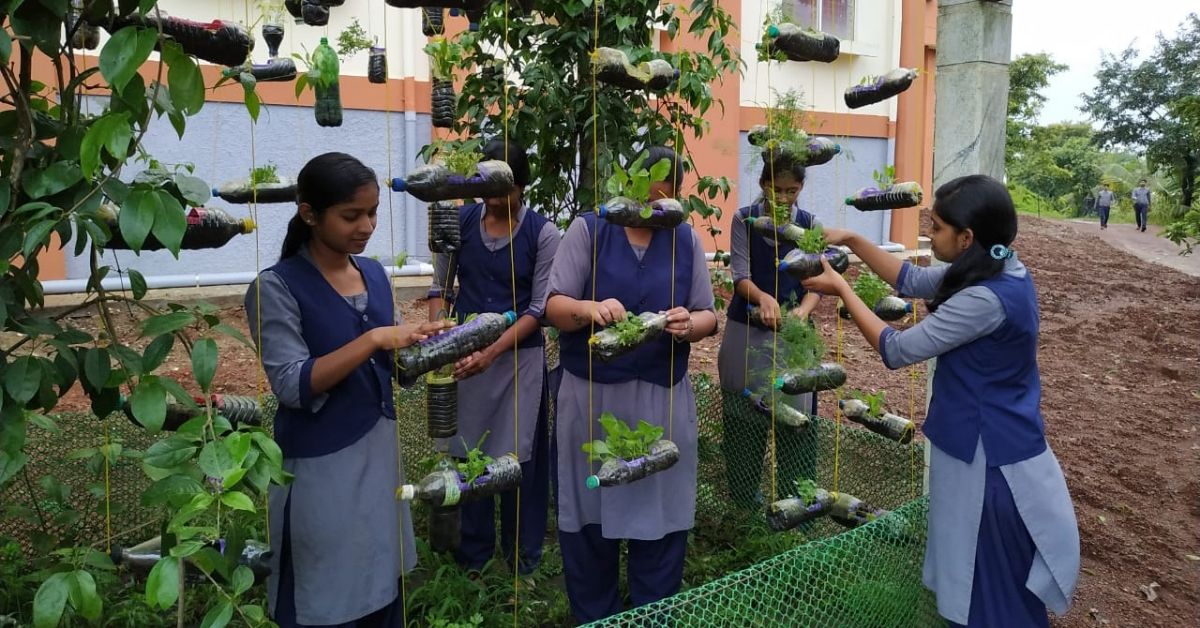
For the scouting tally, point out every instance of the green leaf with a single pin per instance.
(22, 379)
(162, 586)
(110, 132)
(218, 616)
(50, 600)
(83, 595)
(5, 46)
(301, 83)
(149, 404)
(237, 501)
(38, 236)
(156, 352)
(242, 580)
(234, 333)
(215, 459)
(96, 367)
(137, 217)
(44, 422)
(173, 490)
(204, 362)
(170, 223)
(269, 447)
(253, 104)
(167, 323)
(137, 283)
(169, 453)
(184, 79)
(11, 464)
(124, 53)
(193, 189)
(51, 180)
(232, 478)
(238, 445)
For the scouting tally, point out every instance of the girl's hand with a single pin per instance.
(474, 364)
(837, 237)
(768, 309)
(828, 282)
(801, 312)
(399, 336)
(679, 322)
(605, 312)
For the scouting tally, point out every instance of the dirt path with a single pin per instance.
(1149, 246)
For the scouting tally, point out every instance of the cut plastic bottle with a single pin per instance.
(447, 487)
(882, 88)
(663, 454)
(434, 182)
(237, 409)
(888, 425)
(377, 69)
(889, 308)
(784, 414)
(665, 213)
(608, 345)
(453, 344)
(207, 228)
(324, 77)
(613, 68)
(896, 196)
(785, 514)
(802, 44)
(802, 265)
(218, 41)
(825, 376)
(444, 230)
(242, 191)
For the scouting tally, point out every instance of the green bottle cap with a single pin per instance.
(773, 30)
(510, 317)
(592, 482)
(778, 383)
(849, 200)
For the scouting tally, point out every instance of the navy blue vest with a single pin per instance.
(328, 322)
(641, 286)
(990, 387)
(485, 277)
(764, 267)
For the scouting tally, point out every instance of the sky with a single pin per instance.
(1084, 29)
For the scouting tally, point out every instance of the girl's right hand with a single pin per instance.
(399, 336)
(605, 312)
(837, 237)
(768, 309)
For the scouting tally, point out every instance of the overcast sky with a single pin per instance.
(1075, 32)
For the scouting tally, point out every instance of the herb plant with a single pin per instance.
(813, 240)
(621, 441)
(352, 39)
(870, 288)
(875, 401)
(785, 124)
(459, 156)
(264, 174)
(806, 490)
(444, 55)
(628, 330)
(884, 178)
(634, 183)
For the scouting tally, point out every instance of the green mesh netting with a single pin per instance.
(817, 575)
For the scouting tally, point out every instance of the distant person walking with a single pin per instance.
(1141, 204)
(1104, 203)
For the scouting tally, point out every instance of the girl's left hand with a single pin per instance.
(679, 323)
(474, 364)
(828, 282)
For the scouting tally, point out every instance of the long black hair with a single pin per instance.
(512, 154)
(655, 154)
(324, 181)
(983, 205)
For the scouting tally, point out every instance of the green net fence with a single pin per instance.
(738, 572)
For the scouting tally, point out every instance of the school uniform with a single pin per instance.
(745, 361)
(484, 268)
(655, 513)
(340, 538)
(1003, 543)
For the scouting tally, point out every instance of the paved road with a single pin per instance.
(1148, 246)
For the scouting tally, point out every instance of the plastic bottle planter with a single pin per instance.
(803, 265)
(888, 425)
(328, 106)
(433, 21)
(786, 514)
(444, 234)
(453, 344)
(819, 150)
(207, 228)
(447, 487)
(851, 512)
(614, 68)
(220, 42)
(441, 405)
(615, 472)
(310, 12)
(766, 227)
(273, 35)
(278, 69)
(665, 213)
(472, 5)
(243, 191)
(825, 376)
(435, 182)
(377, 65)
(896, 196)
(889, 308)
(443, 104)
(141, 558)
(784, 414)
(84, 36)
(237, 409)
(801, 44)
(608, 345)
(880, 89)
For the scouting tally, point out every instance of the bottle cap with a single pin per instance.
(773, 31)
(602, 211)
(908, 307)
(842, 403)
(216, 192)
(778, 383)
(324, 41)
(746, 392)
(592, 482)
(510, 317)
(398, 185)
(849, 200)
(248, 225)
(837, 148)
(406, 492)
(783, 265)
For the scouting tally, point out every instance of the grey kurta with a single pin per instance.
(956, 488)
(348, 532)
(652, 507)
(485, 401)
(744, 360)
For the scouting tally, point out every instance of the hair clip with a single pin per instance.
(999, 252)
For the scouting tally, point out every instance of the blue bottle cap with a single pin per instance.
(602, 211)
(773, 30)
(592, 482)
(455, 12)
(778, 383)
(399, 185)
(216, 192)
(746, 392)
(837, 148)
(783, 265)
(510, 317)
(908, 307)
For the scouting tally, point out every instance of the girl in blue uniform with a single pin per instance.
(744, 361)
(324, 322)
(635, 271)
(1003, 544)
(484, 268)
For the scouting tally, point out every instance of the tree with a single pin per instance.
(1028, 75)
(1059, 163)
(1143, 105)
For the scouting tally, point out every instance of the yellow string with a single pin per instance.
(107, 493)
(594, 234)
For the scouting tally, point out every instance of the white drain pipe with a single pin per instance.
(156, 282)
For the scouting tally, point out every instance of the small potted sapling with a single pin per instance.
(784, 132)
(809, 503)
(624, 336)
(613, 68)
(886, 194)
(867, 409)
(784, 41)
(799, 353)
(444, 55)
(873, 89)
(264, 185)
(323, 77)
(628, 455)
(352, 40)
(476, 477)
(454, 171)
(630, 190)
(804, 261)
(453, 344)
(877, 295)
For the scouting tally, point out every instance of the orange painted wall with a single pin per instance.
(914, 115)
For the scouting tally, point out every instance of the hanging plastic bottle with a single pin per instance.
(665, 213)
(851, 512)
(242, 191)
(441, 405)
(237, 409)
(784, 414)
(611, 343)
(279, 69)
(788, 513)
(613, 67)
(84, 36)
(433, 21)
(889, 308)
(663, 454)
(821, 150)
(272, 33)
(444, 231)
(453, 344)
(896, 196)
(207, 228)
(141, 558)
(446, 486)
(443, 104)
(434, 182)
(445, 522)
(825, 376)
(802, 44)
(218, 41)
(880, 89)
(802, 265)
(324, 77)
(377, 71)
(765, 226)
(888, 425)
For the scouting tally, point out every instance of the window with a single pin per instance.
(835, 17)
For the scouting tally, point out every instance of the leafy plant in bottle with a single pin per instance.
(627, 454)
